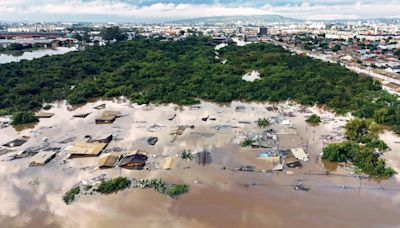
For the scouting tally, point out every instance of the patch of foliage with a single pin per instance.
(362, 148)
(69, 197)
(113, 185)
(247, 142)
(23, 118)
(177, 190)
(361, 130)
(313, 119)
(364, 157)
(162, 187)
(87, 187)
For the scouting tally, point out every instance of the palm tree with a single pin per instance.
(263, 122)
(186, 155)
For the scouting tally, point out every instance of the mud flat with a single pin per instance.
(219, 196)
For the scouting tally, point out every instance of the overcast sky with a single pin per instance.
(167, 10)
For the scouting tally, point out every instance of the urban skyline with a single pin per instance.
(163, 11)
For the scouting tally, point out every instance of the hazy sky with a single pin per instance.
(167, 10)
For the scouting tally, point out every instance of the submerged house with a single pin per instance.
(107, 117)
(81, 115)
(84, 149)
(299, 154)
(42, 158)
(292, 162)
(289, 159)
(133, 161)
(169, 163)
(101, 139)
(109, 160)
(44, 114)
(17, 142)
(268, 139)
(270, 155)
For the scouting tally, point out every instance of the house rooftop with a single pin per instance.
(42, 158)
(86, 149)
(109, 160)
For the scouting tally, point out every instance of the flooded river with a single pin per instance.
(218, 196)
(29, 55)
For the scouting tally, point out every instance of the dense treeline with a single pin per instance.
(146, 70)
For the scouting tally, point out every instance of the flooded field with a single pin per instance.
(219, 196)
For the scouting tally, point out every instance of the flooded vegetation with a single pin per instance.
(197, 152)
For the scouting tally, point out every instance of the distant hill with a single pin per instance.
(256, 19)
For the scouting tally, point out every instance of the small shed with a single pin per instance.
(42, 158)
(109, 160)
(107, 117)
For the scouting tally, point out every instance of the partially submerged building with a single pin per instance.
(133, 161)
(176, 132)
(169, 163)
(44, 115)
(299, 154)
(109, 160)
(81, 115)
(292, 162)
(268, 139)
(289, 159)
(42, 158)
(106, 138)
(107, 117)
(287, 131)
(270, 155)
(17, 142)
(85, 149)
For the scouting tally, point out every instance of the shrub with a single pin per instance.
(247, 142)
(113, 185)
(69, 197)
(313, 119)
(364, 158)
(23, 118)
(177, 190)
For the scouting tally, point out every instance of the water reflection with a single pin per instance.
(34, 54)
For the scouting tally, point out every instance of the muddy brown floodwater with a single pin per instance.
(218, 196)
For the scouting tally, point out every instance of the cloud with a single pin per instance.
(152, 10)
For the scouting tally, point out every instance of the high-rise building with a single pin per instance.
(263, 31)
